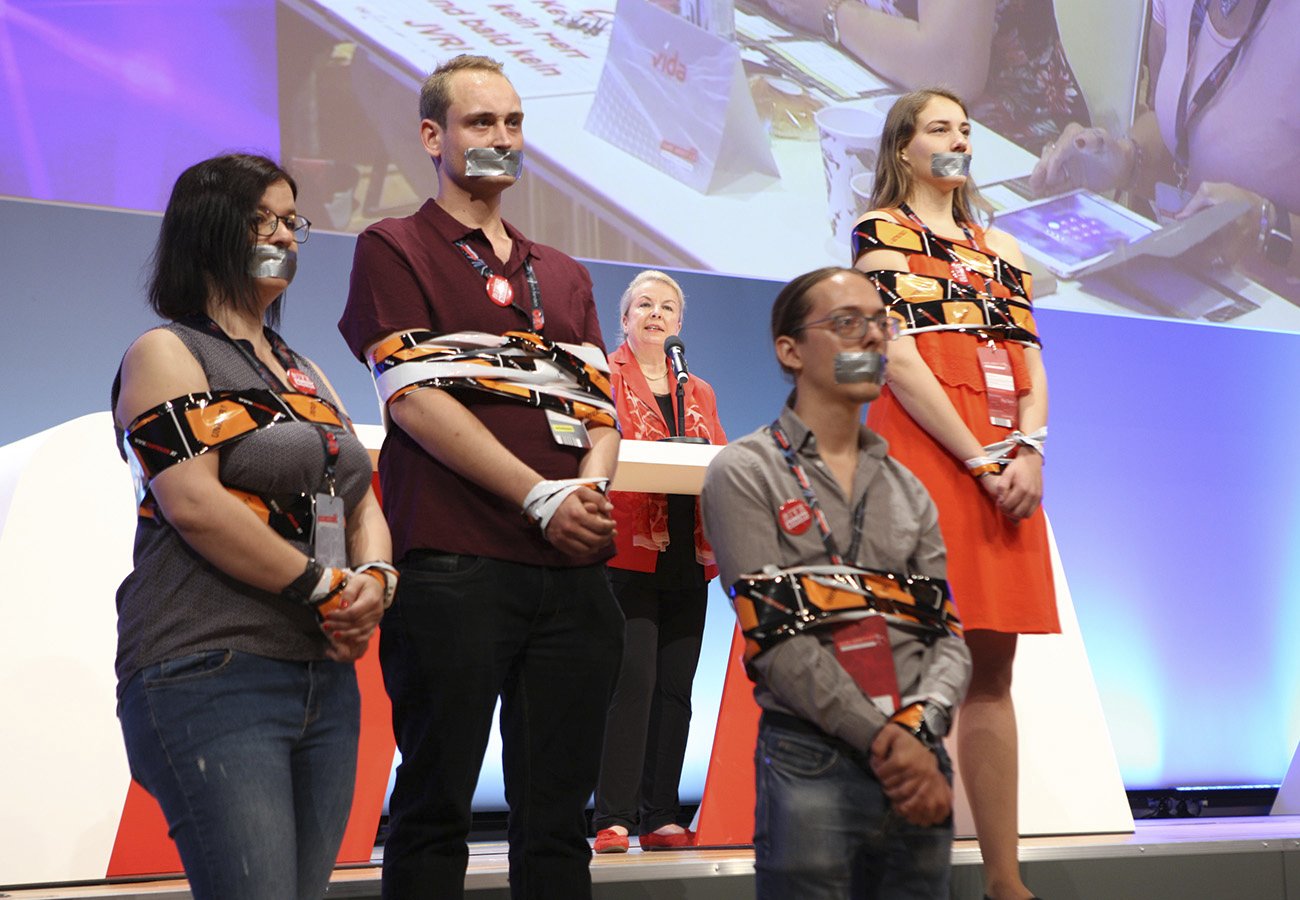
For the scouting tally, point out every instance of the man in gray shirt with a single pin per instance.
(854, 792)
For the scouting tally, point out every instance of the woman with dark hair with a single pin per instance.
(660, 576)
(261, 556)
(965, 408)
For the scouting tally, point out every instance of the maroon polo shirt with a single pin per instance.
(408, 274)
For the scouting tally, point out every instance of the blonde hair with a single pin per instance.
(625, 302)
(894, 178)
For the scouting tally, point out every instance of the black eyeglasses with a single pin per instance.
(266, 222)
(852, 326)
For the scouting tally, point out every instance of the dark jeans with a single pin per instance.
(253, 761)
(824, 830)
(462, 631)
(650, 714)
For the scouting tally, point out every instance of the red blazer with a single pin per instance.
(631, 509)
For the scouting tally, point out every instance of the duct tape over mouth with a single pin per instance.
(270, 261)
(488, 161)
(860, 366)
(948, 165)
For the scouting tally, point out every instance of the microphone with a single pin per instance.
(675, 350)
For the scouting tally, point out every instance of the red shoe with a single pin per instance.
(610, 841)
(655, 841)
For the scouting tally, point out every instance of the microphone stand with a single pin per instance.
(679, 438)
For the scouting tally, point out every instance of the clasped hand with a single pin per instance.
(349, 627)
(1019, 489)
(910, 777)
(582, 524)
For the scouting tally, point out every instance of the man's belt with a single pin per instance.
(780, 603)
(517, 366)
(194, 424)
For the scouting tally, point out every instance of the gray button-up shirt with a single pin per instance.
(745, 487)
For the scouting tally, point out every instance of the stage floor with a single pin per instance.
(1233, 858)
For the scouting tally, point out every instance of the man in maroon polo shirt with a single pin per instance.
(489, 604)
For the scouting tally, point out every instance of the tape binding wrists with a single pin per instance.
(545, 497)
(385, 574)
(997, 455)
(914, 719)
(980, 466)
(318, 587)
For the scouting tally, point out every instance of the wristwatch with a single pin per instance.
(831, 27)
(937, 719)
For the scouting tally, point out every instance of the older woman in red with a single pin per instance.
(660, 576)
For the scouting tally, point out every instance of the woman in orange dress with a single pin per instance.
(965, 408)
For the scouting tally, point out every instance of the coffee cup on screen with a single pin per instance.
(862, 185)
(850, 140)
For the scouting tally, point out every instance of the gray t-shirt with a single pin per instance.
(744, 489)
(175, 602)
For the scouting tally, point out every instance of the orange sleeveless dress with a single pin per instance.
(999, 569)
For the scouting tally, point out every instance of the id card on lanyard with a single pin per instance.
(999, 385)
(329, 543)
(862, 649)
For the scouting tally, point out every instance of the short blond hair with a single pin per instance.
(625, 302)
(435, 93)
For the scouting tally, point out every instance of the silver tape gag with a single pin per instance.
(949, 165)
(486, 161)
(861, 366)
(270, 261)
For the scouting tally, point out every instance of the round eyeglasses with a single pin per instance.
(266, 222)
(852, 326)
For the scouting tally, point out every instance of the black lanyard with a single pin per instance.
(536, 318)
(810, 497)
(284, 356)
(954, 260)
(1191, 107)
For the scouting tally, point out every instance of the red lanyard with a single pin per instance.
(810, 497)
(284, 356)
(499, 290)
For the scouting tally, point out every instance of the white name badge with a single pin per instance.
(675, 96)
(568, 431)
(329, 532)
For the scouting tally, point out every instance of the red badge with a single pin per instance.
(539, 320)
(301, 381)
(499, 290)
(959, 273)
(795, 517)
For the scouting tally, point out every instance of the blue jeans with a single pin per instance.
(253, 761)
(462, 631)
(823, 827)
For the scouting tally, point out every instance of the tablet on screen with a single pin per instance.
(1071, 232)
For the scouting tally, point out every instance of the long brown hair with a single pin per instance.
(893, 177)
